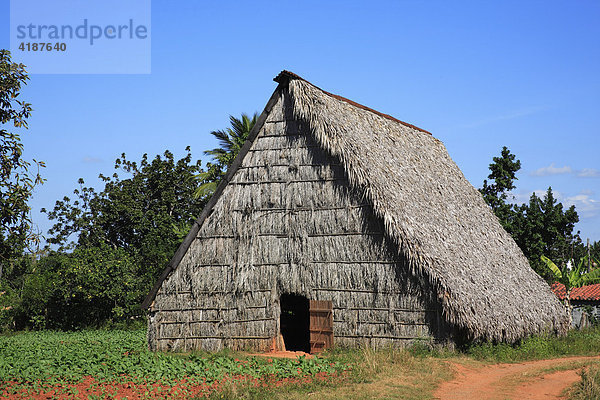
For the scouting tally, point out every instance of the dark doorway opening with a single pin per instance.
(294, 322)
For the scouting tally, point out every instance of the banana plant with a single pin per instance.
(573, 278)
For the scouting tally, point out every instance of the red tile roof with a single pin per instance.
(589, 292)
(287, 74)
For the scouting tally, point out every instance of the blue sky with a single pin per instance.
(478, 75)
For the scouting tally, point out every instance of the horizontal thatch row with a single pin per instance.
(274, 136)
(286, 196)
(227, 314)
(336, 220)
(205, 306)
(286, 173)
(289, 155)
(261, 250)
(378, 279)
(438, 220)
(363, 311)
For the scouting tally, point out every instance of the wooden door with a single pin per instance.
(321, 325)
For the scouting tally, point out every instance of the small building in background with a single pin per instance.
(585, 301)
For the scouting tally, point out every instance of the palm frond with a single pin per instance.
(202, 176)
(206, 189)
(552, 267)
(237, 125)
(216, 153)
(591, 277)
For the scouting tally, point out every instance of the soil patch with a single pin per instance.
(282, 354)
(527, 380)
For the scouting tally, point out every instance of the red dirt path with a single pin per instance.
(512, 381)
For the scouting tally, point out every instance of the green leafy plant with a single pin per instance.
(572, 277)
(18, 180)
(589, 386)
(42, 361)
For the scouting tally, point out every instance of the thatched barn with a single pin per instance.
(337, 224)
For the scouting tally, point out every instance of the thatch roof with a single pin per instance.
(437, 218)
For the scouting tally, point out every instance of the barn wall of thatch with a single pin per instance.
(288, 222)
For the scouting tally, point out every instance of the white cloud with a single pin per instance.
(588, 173)
(552, 170)
(91, 160)
(585, 205)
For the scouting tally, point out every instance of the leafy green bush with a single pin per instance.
(88, 287)
(121, 239)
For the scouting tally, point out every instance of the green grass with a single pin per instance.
(575, 343)
(589, 386)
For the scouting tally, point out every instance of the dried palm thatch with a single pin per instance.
(335, 201)
(438, 219)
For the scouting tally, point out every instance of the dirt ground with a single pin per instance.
(282, 354)
(532, 380)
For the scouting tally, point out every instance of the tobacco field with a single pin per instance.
(117, 364)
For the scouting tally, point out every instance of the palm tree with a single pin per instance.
(572, 277)
(231, 141)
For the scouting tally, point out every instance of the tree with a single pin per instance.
(112, 245)
(144, 214)
(90, 286)
(543, 227)
(540, 227)
(503, 174)
(595, 253)
(231, 141)
(572, 277)
(16, 181)
(87, 287)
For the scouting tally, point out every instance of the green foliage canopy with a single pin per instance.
(502, 177)
(544, 227)
(541, 227)
(145, 214)
(16, 181)
(83, 288)
(111, 246)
